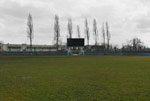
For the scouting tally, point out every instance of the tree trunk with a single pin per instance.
(57, 44)
(30, 45)
(108, 45)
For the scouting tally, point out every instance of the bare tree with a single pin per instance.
(30, 30)
(95, 31)
(133, 45)
(107, 34)
(70, 27)
(87, 34)
(56, 30)
(136, 43)
(78, 31)
(103, 34)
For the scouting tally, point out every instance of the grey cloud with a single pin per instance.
(144, 23)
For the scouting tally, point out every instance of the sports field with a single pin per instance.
(89, 78)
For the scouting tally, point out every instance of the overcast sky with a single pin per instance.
(126, 18)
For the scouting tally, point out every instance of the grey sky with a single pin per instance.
(127, 19)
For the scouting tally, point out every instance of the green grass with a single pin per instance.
(89, 78)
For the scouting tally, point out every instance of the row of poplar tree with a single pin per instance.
(105, 31)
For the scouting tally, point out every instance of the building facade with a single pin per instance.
(26, 48)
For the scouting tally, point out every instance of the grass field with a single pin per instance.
(89, 78)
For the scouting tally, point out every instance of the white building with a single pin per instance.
(26, 48)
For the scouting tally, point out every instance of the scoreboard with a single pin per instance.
(75, 42)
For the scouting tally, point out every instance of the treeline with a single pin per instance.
(134, 45)
(105, 31)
